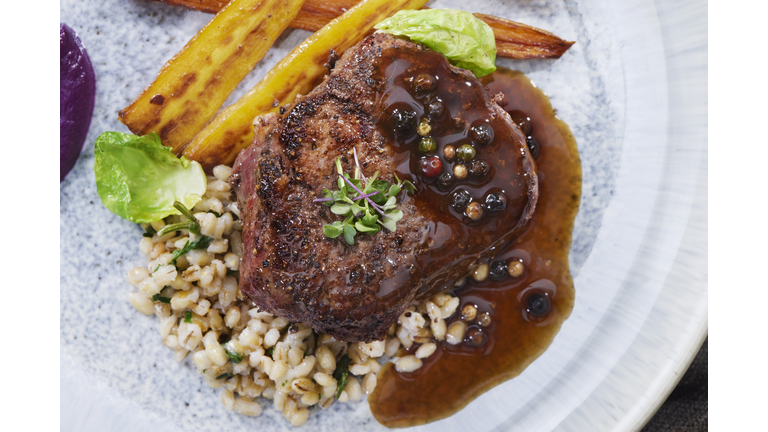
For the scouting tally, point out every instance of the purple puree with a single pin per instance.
(76, 98)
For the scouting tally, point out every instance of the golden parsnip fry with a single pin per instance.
(513, 39)
(521, 41)
(232, 130)
(193, 85)
(317, 13)
(210, 6)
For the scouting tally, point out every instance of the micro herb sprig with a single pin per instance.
(191, 224)
(366, 204)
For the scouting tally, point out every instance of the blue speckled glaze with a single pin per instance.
(116, 374)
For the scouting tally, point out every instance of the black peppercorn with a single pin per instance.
(445, 181)
(481, 134)
(461, 199)
(478, 169)
(533, 146)
(435, 110)
(404, 121)
(424, 82)
(499, 270)
(522, 121)
(476, 337)
(495, 202)
(538, 304)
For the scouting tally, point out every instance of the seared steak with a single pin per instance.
(355, 293)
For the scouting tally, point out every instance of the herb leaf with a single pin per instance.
(201, 243)
(328, 194)
(193, 227)
(158, 298)
(408, 186)
(395, 214)
(341, 374)
(367, 229)
(394, 190)
(333, 230)
(224, 376)
(340, 208)
(234, 356)
(187, 317)
(390, 204)
(149, 232)
(349, 234)
(388, 224)
(369, 219)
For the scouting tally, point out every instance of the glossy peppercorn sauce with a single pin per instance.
(465, 122)
(525, 312)
(419, 95)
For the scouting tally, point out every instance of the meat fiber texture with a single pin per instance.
(352, 292)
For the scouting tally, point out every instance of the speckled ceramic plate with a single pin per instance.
(634, 91)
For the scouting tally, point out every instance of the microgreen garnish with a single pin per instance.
(366, 204)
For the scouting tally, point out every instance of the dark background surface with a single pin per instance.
(686, 409)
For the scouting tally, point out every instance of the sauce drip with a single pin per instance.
(515, 337)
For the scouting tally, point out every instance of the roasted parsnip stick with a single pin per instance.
(521, 41)
(232, 130)
(192, 86)
(513, 39)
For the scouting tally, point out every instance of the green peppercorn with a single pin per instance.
(465, 152)
(427, 145)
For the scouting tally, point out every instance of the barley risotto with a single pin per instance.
(251, 353)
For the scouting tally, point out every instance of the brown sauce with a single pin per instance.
(455, 375)
(454, 240)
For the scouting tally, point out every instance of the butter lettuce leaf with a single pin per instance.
(465, 40)
(139, 179)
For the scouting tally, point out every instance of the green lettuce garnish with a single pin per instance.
(139, 180)
(465, 40)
